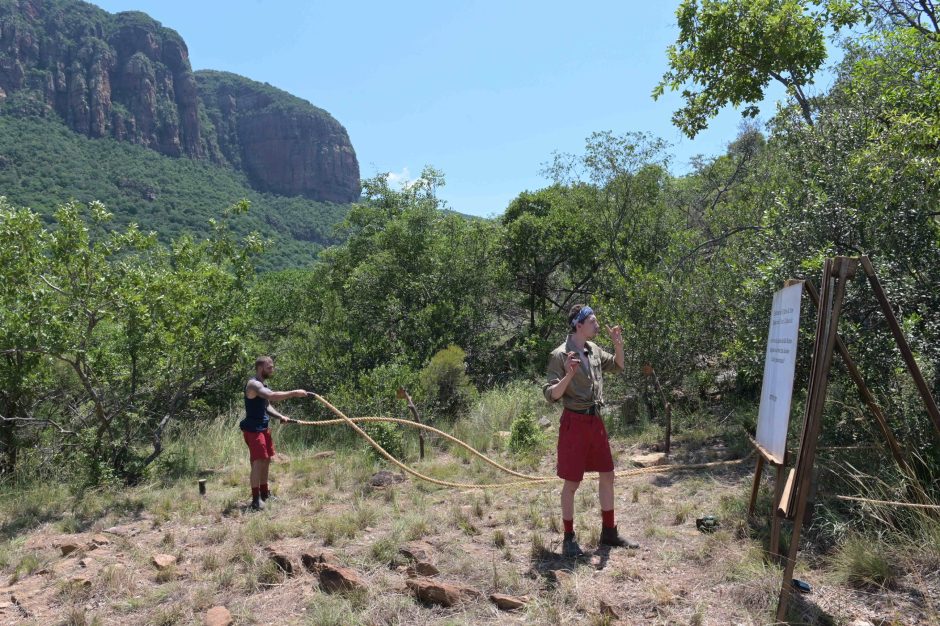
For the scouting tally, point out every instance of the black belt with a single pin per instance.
(592, 410)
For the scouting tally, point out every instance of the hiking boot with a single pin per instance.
(269, 498)
(610, 537)
(570, 548)
(257, 504)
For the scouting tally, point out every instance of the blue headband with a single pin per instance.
(582, 315)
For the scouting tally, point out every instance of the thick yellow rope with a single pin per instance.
(527, 480)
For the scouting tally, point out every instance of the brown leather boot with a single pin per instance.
(610, 537)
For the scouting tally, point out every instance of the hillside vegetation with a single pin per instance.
(43, 164)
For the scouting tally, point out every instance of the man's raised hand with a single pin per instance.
(573, 362)
(616, 334)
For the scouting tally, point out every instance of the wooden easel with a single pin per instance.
(793, 501)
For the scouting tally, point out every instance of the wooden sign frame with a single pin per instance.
(792, 502)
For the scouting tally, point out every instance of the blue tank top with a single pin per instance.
(256, 412)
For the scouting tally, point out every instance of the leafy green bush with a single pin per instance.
(446, 385)
(388, 436)
(524, 434)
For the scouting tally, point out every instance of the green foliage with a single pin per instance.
(728, 51)
(43, 164)
(524, 434)
(122, 334)
(445, 382)
(387, 435)
(863, 562)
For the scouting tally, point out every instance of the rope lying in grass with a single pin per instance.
(527, 480)
(913, 505)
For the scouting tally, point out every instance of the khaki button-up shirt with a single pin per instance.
(587, 387)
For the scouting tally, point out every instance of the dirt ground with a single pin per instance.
(495, 541)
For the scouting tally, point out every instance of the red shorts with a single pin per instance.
(260, 445)
(582, 446)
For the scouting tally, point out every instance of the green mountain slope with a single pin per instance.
(43, 164)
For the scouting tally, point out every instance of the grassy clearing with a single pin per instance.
(495, 540)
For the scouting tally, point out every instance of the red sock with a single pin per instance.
(255, 492)
(569, 525)
(264, 490)
(607, 518)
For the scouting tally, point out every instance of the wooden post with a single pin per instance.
(756, 487)
(775, 516)
(668, 428)
(202, 486)
(902, 344)
(402, 394)
(651, 374)
(826, 326)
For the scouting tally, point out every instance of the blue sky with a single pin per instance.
(484, 91)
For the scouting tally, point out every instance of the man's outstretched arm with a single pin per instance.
(274, 396)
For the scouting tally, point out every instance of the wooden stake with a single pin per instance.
(402, 394)
(202, 486)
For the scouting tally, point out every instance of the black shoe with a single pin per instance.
(269, 498)
(570, 548)
(257, 504)
(610, 537)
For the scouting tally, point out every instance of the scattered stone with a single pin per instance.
(563, 577)
(282, 560)
(384, 478)
(80, 580)
(313, 560)
(508, 603)
(441, 593)
(335, 579)
(421, 568)
(218, 616)
(323, 455)
(86, 563)
(649, 460)
(418, 551)
(163, 561)
(608, 611)
(543, 424)
(69, 547)
(100, 540)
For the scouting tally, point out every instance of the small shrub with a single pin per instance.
(864, 563)
(388, 436)
(524, 434)
(446, 384)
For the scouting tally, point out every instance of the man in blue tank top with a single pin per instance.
(258, 399)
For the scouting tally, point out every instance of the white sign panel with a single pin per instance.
(773, 419)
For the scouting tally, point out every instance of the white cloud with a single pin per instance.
(400, 179)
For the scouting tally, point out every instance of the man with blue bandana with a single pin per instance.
(575, 376)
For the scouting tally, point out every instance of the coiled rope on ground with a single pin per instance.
(525, 479)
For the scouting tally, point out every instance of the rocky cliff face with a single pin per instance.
(285, 145)
(128, 77)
